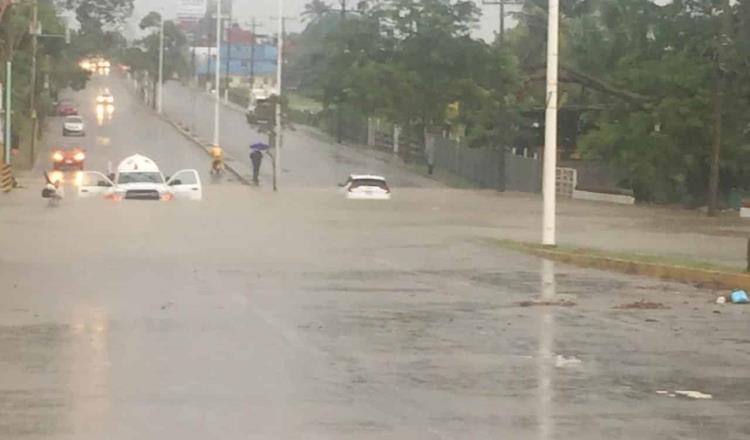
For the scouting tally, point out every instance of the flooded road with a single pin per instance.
(303, 315)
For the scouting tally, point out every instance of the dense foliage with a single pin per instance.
(658, 91)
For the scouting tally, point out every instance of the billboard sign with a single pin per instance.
(191, 9)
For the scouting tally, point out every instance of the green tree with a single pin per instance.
(95, 15)
(143, 55)
(315, 10)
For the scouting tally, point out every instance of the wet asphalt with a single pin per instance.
(301, 315)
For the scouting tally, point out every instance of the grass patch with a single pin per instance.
(619, 255)
(303, 103)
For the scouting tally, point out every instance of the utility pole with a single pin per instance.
(279, 64)
(229, 42)
(501, 22)
(32, 105)
(8, 139)
(217, 97)
(340, 103)
(160, 86)
(252, 54)
(209, 47)
(549, 186)
(725, 29)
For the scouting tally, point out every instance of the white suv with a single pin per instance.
(367, 187)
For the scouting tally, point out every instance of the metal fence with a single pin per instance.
(487, 168)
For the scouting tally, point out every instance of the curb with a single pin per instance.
(682, 274)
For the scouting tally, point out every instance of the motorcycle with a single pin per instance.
(217, 162)
(53, 190)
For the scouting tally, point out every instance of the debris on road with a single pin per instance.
(721, 300)
(565, 362)
(560, 303)
(685, 393)
(167, 305)
(641, 305)
(693, 394)
(739, 297)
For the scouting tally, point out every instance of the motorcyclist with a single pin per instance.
(217, 156)
(53, 190)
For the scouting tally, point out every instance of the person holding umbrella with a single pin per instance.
(256, 157)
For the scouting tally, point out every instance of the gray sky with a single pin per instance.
(264, 9)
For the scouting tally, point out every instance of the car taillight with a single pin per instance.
(165, 197)
(117, 197)
(58, 156)
(79, 157)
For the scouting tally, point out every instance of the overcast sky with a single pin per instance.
(264, 9)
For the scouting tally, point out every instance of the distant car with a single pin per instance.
(105, 98)
(73, 125)
(139, 178)
(260, 110)
(367, 187)
(67, 108)
(68, 158)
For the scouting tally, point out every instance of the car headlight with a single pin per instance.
(58, 156)
(56, 177)
(79, 157)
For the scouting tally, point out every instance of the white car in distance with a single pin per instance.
(367, 187)
(139, 178)
(73, 125)
(105, 98)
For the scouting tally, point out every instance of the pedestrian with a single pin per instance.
(256, 157)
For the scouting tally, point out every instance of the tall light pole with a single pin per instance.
(550, 130)
(8, 95)
(160, 86)
(279, 64)
(217, 97)
(32, 106)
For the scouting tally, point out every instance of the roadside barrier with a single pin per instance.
(7, 181)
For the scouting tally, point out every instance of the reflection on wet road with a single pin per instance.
(545, 355)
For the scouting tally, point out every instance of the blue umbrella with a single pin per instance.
(259, 146)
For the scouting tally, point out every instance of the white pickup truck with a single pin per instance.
(139, 178)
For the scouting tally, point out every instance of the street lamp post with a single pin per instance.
(279, 64)
(8, 95)
(160, 86)
(34, 46)
(217, 103)
(550, 130)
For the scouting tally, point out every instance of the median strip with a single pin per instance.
(693, 272)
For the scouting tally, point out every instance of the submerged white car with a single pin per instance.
(139, 178)
(367, 187)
